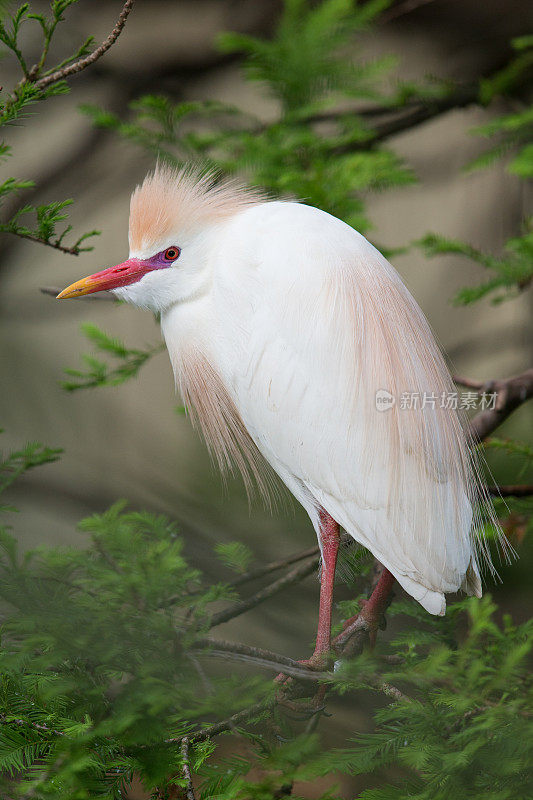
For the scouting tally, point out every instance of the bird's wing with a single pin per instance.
(330, 325)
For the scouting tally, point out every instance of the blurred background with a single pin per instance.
(129, 441)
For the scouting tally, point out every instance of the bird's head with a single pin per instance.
(174, 218)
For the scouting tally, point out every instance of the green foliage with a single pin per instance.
(47, 219)
(464, 732)
(512, 272)
(517, 71)
(520, 450)
(104, 669)
(514, 132)
(235, 555)
(100, 373)
(97, 660)
(98, 674)
(329, 160)
(15, 463)
(304, 75)
(37, 84)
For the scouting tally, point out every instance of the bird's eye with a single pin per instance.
(171, 254)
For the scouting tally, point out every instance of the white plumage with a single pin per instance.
(282, 323)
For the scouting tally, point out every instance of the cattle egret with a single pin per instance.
(296, 347)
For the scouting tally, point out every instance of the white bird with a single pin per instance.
(296, 346)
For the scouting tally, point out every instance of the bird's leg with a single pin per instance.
(370, 618)
(329, 541)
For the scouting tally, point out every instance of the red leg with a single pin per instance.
(371, 615)
(329, 539)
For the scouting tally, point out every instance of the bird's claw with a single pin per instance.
(303, 711)
(317, 662)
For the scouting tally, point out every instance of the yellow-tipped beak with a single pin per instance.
(128, 272)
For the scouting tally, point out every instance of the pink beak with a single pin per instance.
(123, 274)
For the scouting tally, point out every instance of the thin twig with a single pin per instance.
(406, 116)
(24, 722)
(259, 572)
(225, 724)
(302, 673)
(274, 662)
(280, 663)
(511, 491)
(72, 251)
(427, 110)
(83, 63)
(401, 9)
(468, 382)
(245, 649)
(185, 768)
(208, 686)
(295, 575)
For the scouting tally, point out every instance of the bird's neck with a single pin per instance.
(189, 332)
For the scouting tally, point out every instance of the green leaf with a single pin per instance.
(235, 555)
(100, 373)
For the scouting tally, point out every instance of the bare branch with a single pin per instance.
(234, 651)
(510, 394)
(468, 382)
(402, 8)
(245, 649)
(414, 114)
(72, 251)
(189, 790)
(295, 575)
(226, 724)
(83, 63)
(428, 109)
(511, 491)
(253, 574)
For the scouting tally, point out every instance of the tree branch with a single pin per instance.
(428, 109)
(407, 7)
(225, 724)
(259, 572)
(510, 394)
(26, 723)
(73, 250)
(295, 575)
(189, 790)
(83, 63)
(511, 491)
(245, 649)
(416, 112)
(235, 651)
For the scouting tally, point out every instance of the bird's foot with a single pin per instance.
(303, 709)
(318, 662)
(365, 624)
